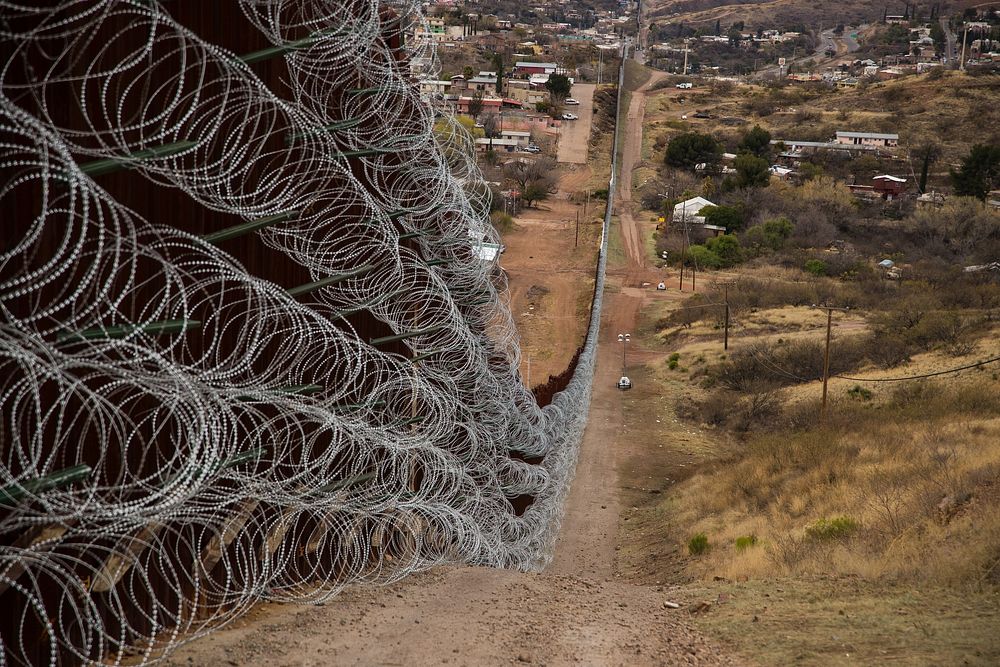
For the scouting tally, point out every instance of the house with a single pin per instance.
(889, 187)
(497, 144)
(525, 68)
(782, 173)
(521, 137)
(430, 87)
(483, 81)
(868, 139)
(687, 211)
(491, 105)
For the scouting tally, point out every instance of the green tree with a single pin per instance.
(756, 141)
(498, 66)
(927, 153)
(979, 173)
(751, 171)
(729, 217)
(727, 248)
(691, 148)
(467, 72)
(558, 86)
(702, 257)
(771, 235)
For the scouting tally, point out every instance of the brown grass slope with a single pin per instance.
(777, 13)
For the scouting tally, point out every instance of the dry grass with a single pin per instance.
(917, 469)
(849, 621)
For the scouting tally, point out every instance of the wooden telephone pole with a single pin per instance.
(826, 355)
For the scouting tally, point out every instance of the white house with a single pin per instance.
(687, 211)
(868, 139)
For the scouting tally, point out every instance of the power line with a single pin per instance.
(920, 377)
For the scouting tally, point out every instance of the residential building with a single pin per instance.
(687, 212)
(889, 187)
(868, 139)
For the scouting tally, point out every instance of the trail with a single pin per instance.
(578, 611)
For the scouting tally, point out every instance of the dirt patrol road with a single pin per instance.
(579, 611)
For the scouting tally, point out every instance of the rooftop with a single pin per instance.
(867, 135)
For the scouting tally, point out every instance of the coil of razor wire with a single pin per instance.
(253, 444)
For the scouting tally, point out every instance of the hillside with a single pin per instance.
(778, 13)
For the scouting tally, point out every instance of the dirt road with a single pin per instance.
(579, 611)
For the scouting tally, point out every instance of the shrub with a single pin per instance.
(860, 393)
(698, 544)
(838, 528)
(673, 360)
(502, 221)
(691, 148)
(702, 257)
(817, 267)
(745, 542)
(730, 217)
(727, 248)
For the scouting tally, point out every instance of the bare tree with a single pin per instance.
(491, 127)
(476, 105)
(535, 180)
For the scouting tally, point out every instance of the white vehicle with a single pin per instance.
(570, 100)
(624, 383)
(685, 86)
(661, 286)
(569, 116)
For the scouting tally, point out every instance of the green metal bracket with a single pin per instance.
(344, 483)
(282, 49)
(364, 91)
(403, 336)
(109, 165)
(332, 127)
(248, 227)
(123, 330)
(332, 280)
(351, 311)
(426, 355)
(242, 457)
(14, 492)
(358, 406)
(413, 420)
(437, 262)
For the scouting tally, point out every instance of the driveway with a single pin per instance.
(574, 135)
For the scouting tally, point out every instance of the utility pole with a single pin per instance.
(576, 240)
(826, 356)
(680, 284)
(725, 328)
(965, 38)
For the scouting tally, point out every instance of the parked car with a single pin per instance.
(570, 100)
(661, 286)
(569, 116)
(532, 149)
(685, 85)
(624, 383)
